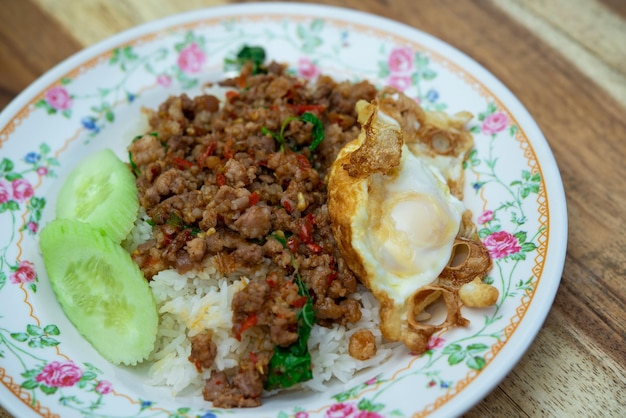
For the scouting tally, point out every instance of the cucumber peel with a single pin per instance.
(102, 192)
(100, 289)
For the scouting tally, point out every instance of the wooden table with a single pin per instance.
(566, 61)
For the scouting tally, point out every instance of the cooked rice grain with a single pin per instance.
(197, 301)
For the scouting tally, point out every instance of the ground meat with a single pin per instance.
(244, 389)
(271, 304)
(362, 345)
(240, 185)
(254, 222)
(203, 350)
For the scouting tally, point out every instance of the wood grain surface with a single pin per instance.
(566, 62)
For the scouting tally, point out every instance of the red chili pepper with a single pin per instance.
(182, 163)
(331, 277)
(303, 162)
(301, 108)
(306, 230)
(253, 199)
(253, 357)
(292, 244)
(167, 239)
(314, 248)
(249, 322)
(242, 81)
(210, 150)
(229, 151)
(221, 179)
(287, 206)
(299, 303)
(231, 94)
(197, 364)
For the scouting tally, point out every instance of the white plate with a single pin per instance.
(93, 100)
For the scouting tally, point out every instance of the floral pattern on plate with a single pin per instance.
(95, 102)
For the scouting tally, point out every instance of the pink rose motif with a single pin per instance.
(164, 80)
(191, 59)
(32, 227)
(22, 190)
(58, 98)
(485, 217)
(400, 60)
(501, 244)
(58, 374)
(307, 69)
(301, 414)
(340, 410)
(400, 82)
(42, 171)
(25, 273)
(103, 387)
(494, 123)
(435, 343)
(5, 191)
(368, 414)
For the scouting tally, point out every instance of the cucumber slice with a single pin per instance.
(101, 290)
(101, 191)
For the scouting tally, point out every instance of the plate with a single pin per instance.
(93, 100)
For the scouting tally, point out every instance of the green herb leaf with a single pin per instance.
(318, 129)
(254, 54)
(280, 237)
(133, 166)
(277, 137)
(174, 220)
(291, 365)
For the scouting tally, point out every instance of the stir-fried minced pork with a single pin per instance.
(241, 182)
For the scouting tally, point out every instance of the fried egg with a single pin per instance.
(405, 227)
(393, 214)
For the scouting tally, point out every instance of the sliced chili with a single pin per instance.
(221, 179)
(314, 248)
(299, 303)
(253, 199)
(293, 243)
(301, 108)
(229, 150)
(182, 163)
(332, 277)
(249, 322)
(231, 94)
(210, 150)
(303, 162)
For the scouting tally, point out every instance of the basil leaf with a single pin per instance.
(256, 55)
(318, 129)
(291, 365)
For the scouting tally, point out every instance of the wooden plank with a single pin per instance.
(553, 60)
(587, 22)
(616, 6)
(24, 53)
(585, 32)
(106, 18)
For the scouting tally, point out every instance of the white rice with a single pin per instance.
(192, 303)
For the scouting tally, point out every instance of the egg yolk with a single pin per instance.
(413, 234)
